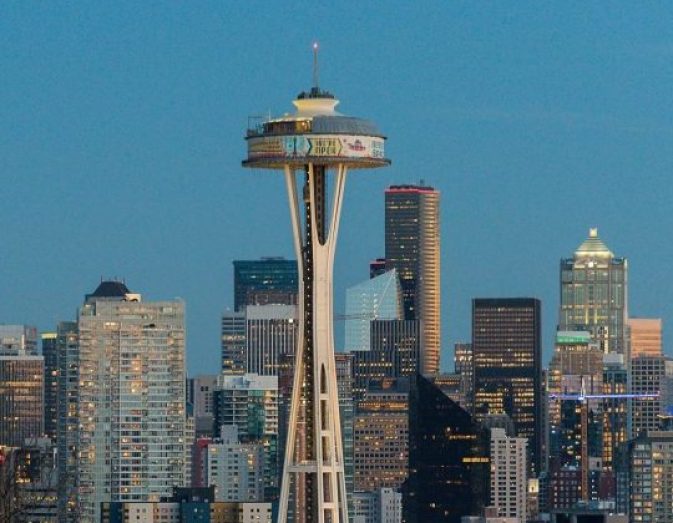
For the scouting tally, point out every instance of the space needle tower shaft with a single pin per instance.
(315, 146)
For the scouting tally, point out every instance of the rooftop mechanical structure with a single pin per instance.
(315, 146)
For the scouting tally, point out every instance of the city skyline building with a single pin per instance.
(378, 298)
(509, 482)
(269, 280)
(309, 144)
(647, 373)
(131, 399)
(412, 247)
(645, 336)
(506, 351)
(18, 340)
(50, 355)
(594, 294)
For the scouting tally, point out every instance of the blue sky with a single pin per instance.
(121, 136)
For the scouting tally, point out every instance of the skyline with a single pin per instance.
(119, 148)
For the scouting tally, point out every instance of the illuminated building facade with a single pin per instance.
(647, 377)
(449, 461)
(412, 242)
(131, 400)
(644, 336)
(594, 294)
(50, 355)
(21, 399)
(464, 367)
(615, 407)
(506, 351)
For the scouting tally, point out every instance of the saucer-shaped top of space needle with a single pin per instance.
(314, 133)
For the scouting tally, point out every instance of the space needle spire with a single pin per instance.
(315, 146)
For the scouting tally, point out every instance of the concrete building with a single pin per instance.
(648, 374)
(131, 401)
(384, 505)
(412, 243)
(594, 294)
(202, 389)
(508, 475)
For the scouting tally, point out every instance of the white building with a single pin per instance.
(131, 400)
(508, 475)
(381, 506)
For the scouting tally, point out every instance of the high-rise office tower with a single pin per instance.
(311, 143)
(594, 294)
(250, 402)
(201, 389)
(67, 347)
(377, 267)
(508, 475)
(50, 355)
(412, 241)
(506, 351)
(344, 372)
(270, 280)
(381, 436)
(131, 401)
(647, 377)
(449, 461)
(255, 338)
(394, 352)
(21, 398)
(615, 407)
(644, 336)
(379, 298)
(464, 367)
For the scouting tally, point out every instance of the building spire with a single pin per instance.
(315, 66)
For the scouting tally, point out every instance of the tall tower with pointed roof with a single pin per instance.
(594, 294)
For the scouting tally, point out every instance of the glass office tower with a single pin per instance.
(594, 294)
(264, 281)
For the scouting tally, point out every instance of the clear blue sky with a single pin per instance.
(122, 123)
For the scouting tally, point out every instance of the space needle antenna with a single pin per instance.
(315, 65)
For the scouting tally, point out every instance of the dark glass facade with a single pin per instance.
(21, 399)
(50, 355)
(449, 462)
(506, 351)
(264, 281)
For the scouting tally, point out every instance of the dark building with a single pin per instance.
(506, 351)
(50, 355)
(412, 241)
(264, 281)
(394, 352)
(449, 463)
(21, 399)
(377, 267)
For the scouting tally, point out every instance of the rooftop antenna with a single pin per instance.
(315, 65)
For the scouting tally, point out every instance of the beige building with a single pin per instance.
(645, 336)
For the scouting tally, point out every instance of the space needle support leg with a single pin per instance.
(290, 447)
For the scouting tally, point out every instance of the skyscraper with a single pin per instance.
(270, 280)
(464, 367)
(131, 401)
(506, 351)
(644, 336)
(378, 298)
(594, 294)
(449, 461)
(647, 377)
(21, 398)
(18, 340)
(50, 355)
(412, 242)
(508, 475)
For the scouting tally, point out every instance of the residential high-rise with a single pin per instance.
(594, 294)
(508, 475)
(379, 298)
(649, 459)
(270, 280)
(50, 355)
(644, 336)
(131, 401)
(201, 390)
(381, 436)
(250, 402)
(394, 352)
(18, 340)
(256, 337)
(412, 243)
(67, 434)
(449, 461)
(506, 351)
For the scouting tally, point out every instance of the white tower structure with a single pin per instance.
(312, 142)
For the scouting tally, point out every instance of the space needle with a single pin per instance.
(315, 146)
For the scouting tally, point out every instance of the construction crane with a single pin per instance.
(583, 398)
